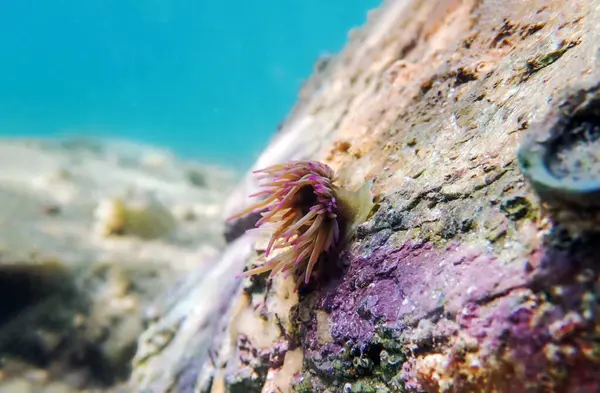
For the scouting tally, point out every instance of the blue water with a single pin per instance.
(209, 79)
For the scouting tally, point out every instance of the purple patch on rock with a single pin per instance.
(525, 316)
(527, 336)
(397, 287)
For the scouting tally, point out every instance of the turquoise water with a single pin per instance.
(208, 79)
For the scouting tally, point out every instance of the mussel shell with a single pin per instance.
(571, 194)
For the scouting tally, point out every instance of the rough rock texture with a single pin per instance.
(74, 297)
(458, 282)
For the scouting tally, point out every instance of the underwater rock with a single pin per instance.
(455, 283)
(561, 158)
(73, 303)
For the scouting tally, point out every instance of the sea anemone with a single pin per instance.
(307, 213)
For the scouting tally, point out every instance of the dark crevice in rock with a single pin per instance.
(23, 286)
(238, 227)
(45, 321)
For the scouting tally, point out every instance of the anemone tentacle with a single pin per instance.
(301, 207)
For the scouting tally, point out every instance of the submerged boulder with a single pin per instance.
(459, 281)
(73, 304)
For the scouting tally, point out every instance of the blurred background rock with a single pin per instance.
(91, 232)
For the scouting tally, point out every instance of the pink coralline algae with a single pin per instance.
(460, 320)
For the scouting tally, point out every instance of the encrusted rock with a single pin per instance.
(455, 284)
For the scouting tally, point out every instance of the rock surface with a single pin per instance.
(458, 282)
(75, 297)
